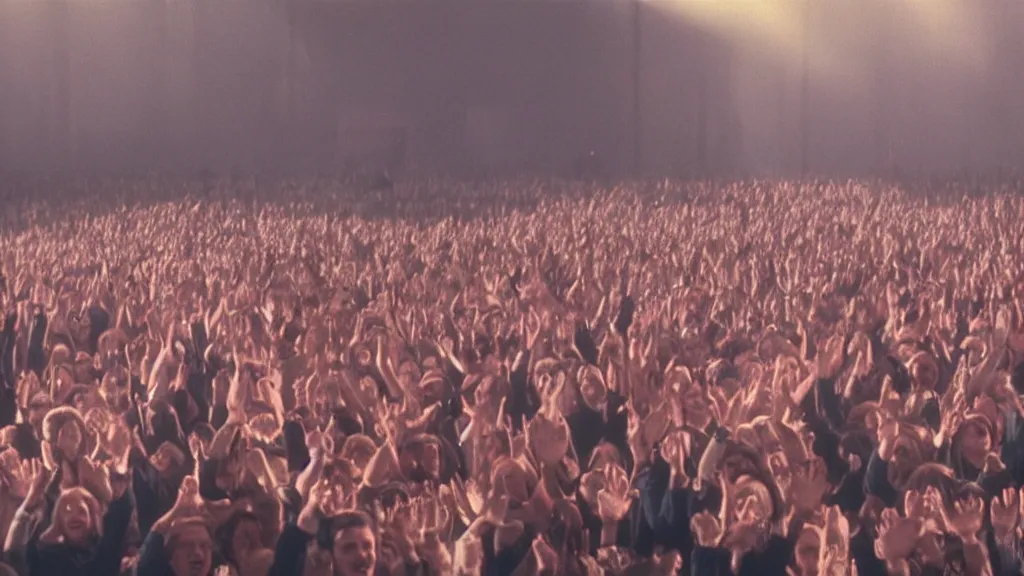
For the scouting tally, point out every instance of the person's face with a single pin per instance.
(37, 412)
(162, 461)
(594, 393)
(904, 461)
(113, 391)
(69, 439)
(408, 374)
(193, 552)
(360, 456)
(924, 375)
(511, 481)
(355, 552)
(75, 520)
(975, 442)
(421, 462)
(695, 405)
(246, 538)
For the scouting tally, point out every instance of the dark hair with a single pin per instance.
(25, 441)
(226, 533)
(331, 527)
(172, 538)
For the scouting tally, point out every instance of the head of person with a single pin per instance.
(64, 429)
(808, 545)
(39, 405)
(973, 439)
(420, 459)
(909, 454)
(358, 449)
(190, 548)
(114, 389)
(163, 420)
(240, 538)
(168, 459)
(508, 478)
(353, 545)
(75, 517)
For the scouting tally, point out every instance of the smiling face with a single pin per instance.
(192, 553)
(355, 552)
(74, 518)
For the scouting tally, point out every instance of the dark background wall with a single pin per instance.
(470, 87)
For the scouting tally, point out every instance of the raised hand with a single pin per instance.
(657, 423)
(195, 446)
(189, 500)
(29, 482)
(830, 357)
(888, 431)
(967, 518)
(614, 499)
(547, 558)
(707, 529)
(809, 486)
(673, 450)
(495, 510)
(96, 477)
(915, 505)
(1005, 512)
(548, 438)
(837, 535)
(897, 536)
(309, 518)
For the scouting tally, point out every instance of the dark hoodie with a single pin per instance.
(154, 495)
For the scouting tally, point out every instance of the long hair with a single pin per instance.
(56, 530)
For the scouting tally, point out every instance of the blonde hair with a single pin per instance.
(90, 502)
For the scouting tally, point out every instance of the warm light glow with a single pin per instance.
(951, 33)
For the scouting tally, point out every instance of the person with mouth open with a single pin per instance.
(80, 540)
(179, 543)
(349, 536)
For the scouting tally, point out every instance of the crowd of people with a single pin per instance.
(254, 378)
